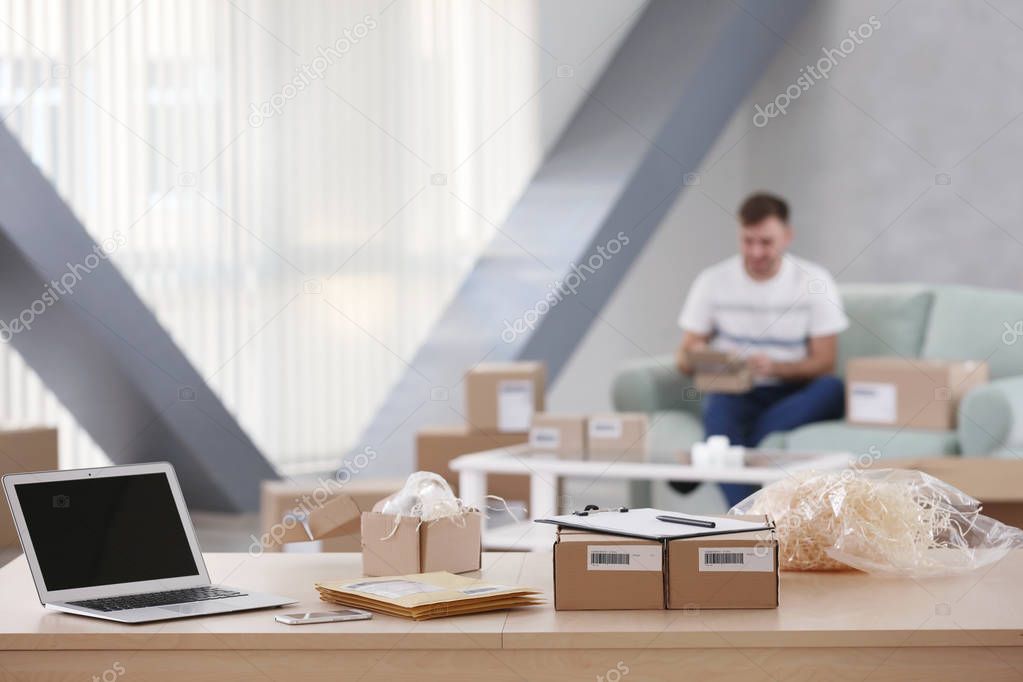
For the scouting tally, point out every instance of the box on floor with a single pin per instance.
(501, 397)
(617, 437)
(562, 434)
(909, 392)
(437, 446)
(279, 500)
(21, 451)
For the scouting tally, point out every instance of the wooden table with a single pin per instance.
(845, 626)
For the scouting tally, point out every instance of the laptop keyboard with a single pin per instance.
(141, 601)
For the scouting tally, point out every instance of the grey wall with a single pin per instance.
(863, 158)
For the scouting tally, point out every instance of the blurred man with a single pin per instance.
(782, 314)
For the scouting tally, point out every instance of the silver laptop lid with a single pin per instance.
(91, 533)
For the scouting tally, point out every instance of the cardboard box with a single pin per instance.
(437, 446)
(617, 437)
(449, 544)
(563, 434)
(282, 503)
(718, 372)
(995, 482)
(606, 572)
(501, 397)
(21, 451)
(913, 393)
(733, 571)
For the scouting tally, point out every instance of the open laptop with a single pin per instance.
(117, 543)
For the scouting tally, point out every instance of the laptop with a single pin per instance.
(117, 543)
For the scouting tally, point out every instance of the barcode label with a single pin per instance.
(760, 558)
(623, 558)
(722, 558)
(609, 558)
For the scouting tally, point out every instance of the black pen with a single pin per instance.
(688, 522)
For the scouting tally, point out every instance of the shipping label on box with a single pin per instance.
(623, 557)
(605, 428)
(514, 404)
(736, 559)
(873, 402)
(545, 437)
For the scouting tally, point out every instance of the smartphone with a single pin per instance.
(324, 617)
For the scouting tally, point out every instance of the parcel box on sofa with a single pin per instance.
(909, 392)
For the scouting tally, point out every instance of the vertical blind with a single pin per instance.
(301, 186)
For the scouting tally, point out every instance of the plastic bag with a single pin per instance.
(896, 522)
(426, 496)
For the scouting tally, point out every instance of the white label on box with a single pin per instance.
(606, 427)
(623, 557)
(514, 404)
(755, 559)
(545, 437)
(873, 402)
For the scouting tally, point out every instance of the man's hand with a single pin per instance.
(761, 365)
(690, 342)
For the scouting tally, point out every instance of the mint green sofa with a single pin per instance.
(935, 322)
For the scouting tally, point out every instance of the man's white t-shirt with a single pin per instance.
(775, 317)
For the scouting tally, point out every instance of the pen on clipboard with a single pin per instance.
(702, 523)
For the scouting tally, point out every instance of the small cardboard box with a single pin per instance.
(448, 544)
(501, 397)
(617, 437)
(731, 571)
(283, 504)
(913, 393)
(21, 451)
(437, 446)
(593, 571)
(718, 372)
(563, 434)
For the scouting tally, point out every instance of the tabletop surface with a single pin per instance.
(984, 608)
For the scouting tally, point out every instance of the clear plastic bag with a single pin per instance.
(896, 522)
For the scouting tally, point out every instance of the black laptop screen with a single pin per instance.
(102, 531)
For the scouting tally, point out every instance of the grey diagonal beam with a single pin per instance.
(79, 324)
(655, 112)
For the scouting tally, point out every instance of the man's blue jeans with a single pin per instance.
(747, 418)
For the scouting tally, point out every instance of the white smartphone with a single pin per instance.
(323, 617)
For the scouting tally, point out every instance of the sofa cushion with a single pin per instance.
(969, 323)
(884, 319)
(872, 442)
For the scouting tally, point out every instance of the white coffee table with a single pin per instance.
(545, 470)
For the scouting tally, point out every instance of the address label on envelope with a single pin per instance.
(873, 401)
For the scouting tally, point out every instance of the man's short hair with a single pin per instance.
(762, 205)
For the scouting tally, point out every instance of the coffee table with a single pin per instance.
(545, 470)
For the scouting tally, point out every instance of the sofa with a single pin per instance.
(913, 321)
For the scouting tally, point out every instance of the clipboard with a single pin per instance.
(642, 523)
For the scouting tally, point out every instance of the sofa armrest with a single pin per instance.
(654, 384)
(991, 418)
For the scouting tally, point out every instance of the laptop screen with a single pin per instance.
(102, 531)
